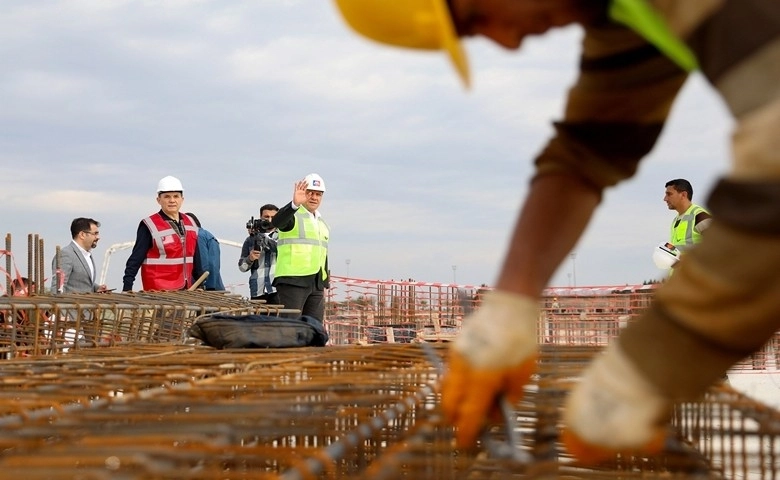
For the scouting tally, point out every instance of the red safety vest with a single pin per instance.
(168, 264)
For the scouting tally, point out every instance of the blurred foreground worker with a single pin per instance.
(165, 243)
(302, 273)
(722, 303)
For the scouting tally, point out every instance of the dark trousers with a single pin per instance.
(309, 300)
(270, 298)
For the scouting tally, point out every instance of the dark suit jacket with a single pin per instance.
(75, 270)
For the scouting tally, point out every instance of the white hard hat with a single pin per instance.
(169, 184)
(665, 255)
(314, 182)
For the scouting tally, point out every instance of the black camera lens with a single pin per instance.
(266, 224)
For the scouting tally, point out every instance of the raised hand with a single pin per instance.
(299, 193)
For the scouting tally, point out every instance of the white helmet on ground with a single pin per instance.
(169, 184)
(314, 182)
(665, 255)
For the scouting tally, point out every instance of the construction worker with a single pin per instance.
(687, 226)
(691, 219)
(722, 303)
(165, 243)
(302, 273)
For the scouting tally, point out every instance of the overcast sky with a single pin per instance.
(239, 99)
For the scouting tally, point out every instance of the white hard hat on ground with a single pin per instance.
(314, 182)
(665, 255)
(169, 184)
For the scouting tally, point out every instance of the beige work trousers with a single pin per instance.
(721, 304)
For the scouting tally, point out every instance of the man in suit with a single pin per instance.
(73, 269)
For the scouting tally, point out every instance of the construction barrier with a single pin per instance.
(363, 311)
(367, 311)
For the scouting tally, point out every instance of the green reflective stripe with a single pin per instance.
(302, 216)
(301, 241)
(644, 20)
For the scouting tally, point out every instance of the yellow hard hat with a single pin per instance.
(422, 24)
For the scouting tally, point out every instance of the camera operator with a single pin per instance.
(259, 250)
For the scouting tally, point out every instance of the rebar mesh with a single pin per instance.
(178, 411)
(54, 324)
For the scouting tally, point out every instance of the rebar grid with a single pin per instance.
(177, 411)
(54, 324)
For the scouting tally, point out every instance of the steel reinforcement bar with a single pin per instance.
(176, 411)
(55, 324)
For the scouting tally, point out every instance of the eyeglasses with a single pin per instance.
(90, 233)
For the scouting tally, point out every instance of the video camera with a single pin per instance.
(258, 228)
(260, 225)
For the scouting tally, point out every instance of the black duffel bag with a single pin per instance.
(259, 331)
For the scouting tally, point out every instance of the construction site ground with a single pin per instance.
(112, 387)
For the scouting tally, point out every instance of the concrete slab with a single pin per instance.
(763, 386)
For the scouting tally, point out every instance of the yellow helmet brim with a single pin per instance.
(420, 24)
(451, 42)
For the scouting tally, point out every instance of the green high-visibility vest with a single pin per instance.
(303, 250)
(644, 20)
(683, 234)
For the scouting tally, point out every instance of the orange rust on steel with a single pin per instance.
(40, 266)
(54, 324)
(8, 266)
(30, 259)
(183, 411)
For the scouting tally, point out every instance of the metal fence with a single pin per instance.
(369, 311)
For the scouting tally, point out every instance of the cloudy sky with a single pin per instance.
(239, 99)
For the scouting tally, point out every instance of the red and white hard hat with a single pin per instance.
(665, 255)
(314, 182)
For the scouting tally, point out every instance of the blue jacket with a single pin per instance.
(207, 258)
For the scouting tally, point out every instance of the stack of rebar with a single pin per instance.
(183, 412)
(54, 324)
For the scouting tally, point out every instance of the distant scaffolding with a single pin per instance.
(371, 311)
(363, 311)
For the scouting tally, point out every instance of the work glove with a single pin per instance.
(494, 356)
(614, 409)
